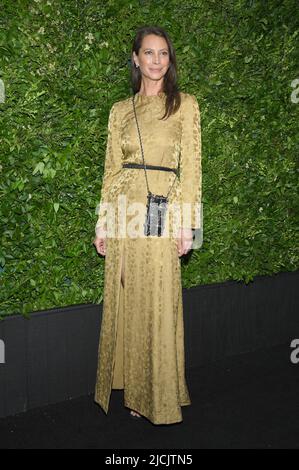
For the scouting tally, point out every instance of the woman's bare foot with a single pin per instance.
(134, 413)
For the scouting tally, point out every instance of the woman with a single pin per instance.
(141, 348)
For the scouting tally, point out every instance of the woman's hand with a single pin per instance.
(100, 242)
(185, 240)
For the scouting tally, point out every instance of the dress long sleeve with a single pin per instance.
(113, 160)
(190, 166)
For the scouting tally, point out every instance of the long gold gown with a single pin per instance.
(141, 347)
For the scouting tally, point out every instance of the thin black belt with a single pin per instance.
(149, 167)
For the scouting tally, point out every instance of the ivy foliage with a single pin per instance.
(62, 66)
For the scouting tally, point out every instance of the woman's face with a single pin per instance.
(153, 57)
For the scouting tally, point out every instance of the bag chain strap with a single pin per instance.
(143, 154)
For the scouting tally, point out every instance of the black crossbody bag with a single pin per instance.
(156, 204)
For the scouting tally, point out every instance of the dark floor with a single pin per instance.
(243, 402)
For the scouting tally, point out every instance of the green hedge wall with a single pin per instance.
(64, 63)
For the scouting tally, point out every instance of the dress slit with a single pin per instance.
(118, 371)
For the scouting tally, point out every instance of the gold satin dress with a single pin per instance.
(141, 346)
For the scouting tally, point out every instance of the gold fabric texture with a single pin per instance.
(141, 347)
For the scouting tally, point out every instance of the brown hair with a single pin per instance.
(170, 86)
